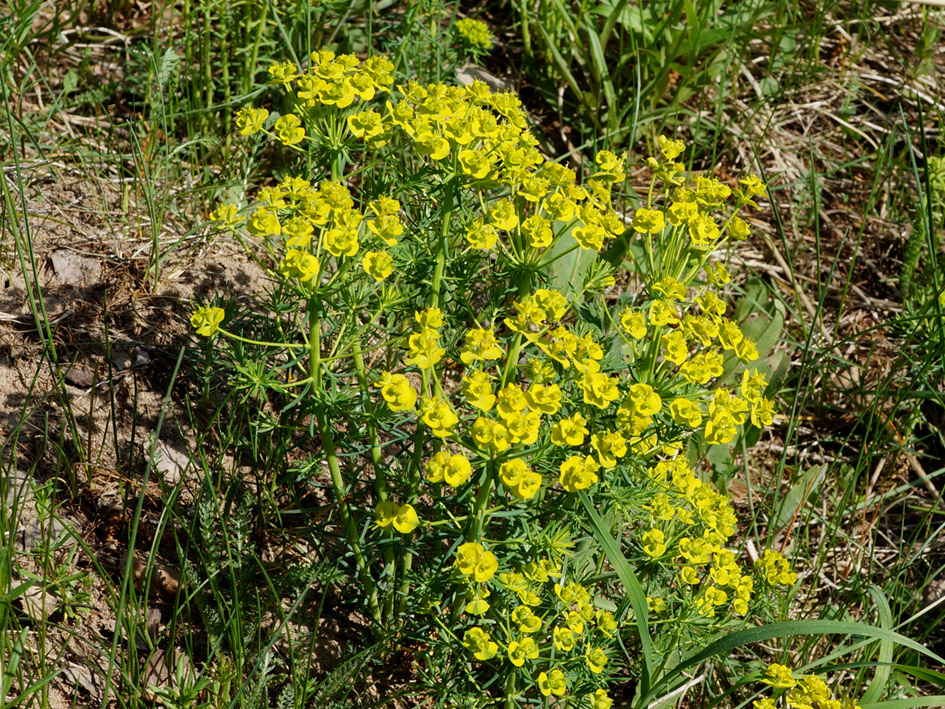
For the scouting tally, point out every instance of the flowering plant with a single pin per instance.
(525, 503)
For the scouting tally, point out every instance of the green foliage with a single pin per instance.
(629, 67)
(457, 533)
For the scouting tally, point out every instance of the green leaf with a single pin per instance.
(571, 265)
(878, 684)
(796, 496)
(630, 583)
(787, 629)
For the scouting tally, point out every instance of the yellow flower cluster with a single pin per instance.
(693, 341)
(475, 32)
(776, 569)
(805, 692)
(335, 80)
(484, 139)
(302, 225)
(681, 505)
(564, 622)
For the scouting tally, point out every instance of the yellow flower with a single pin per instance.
(644, 399)
(367, 124)
(653, 543)
(520, 651)
(545, 398)
(438, 415)
(753, 386)
(606, 622)
(473, 560)
(263, 222)
(555, 683)
(686, 413)
(648, 221)
(481, 235)
(297, 231)
(429, 318)
(406, 520)
(425, 350)
(490, 435)
(377, 264)
(299, 264)
(609, 446)
(634, 323)
(762, 413)
(511, 472)
(249, 120)
(569, 431)
(283, 73)
(689, 575)
(578, 473)
(480, 644)
(703, 230)
(675, 347)
(477, 388)
(385, 512)
(538, 231)
(457, 470)
(475, 32)
(662, 313)
(289, 129)
(739, 228)
(480, 344)
(503, 215)
(670, 148)
(341, 241)
(589, 237)
(397, 392)
(429, 143)
(227, 214)
(600, 700)
(779, 677)
(670, 288)
(206, 320)
(477, 606)
(527, 621)
(777, 570)
(753, 185)
(596, 659)
(475, 164)
(386, 226)
(599, 389)
(721, 428)
(718, 275)
(563, 639)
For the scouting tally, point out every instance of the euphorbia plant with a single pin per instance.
(504, 436)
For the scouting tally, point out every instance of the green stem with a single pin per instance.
(380, 479)
(351, 532)
(331, 456)
(479, 508)
(439, 268)
(441, 244)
